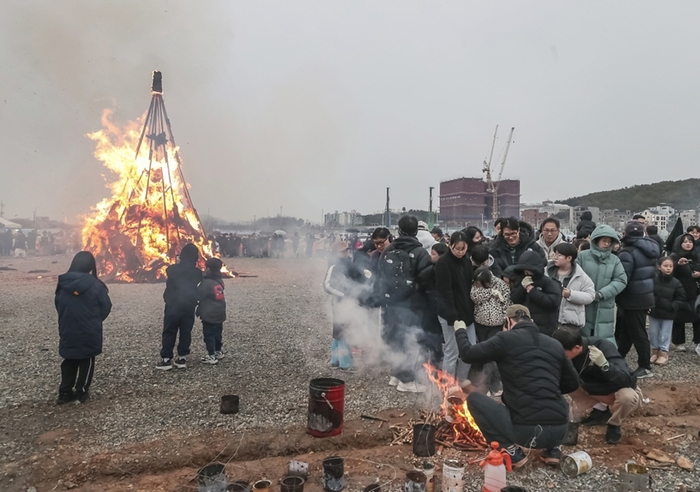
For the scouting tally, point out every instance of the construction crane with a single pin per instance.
(492, 186)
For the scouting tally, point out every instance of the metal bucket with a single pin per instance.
(427, 469)
(326, 403)
(635, 478)
(292, 484)
(424, 440)
(576, 464)
(262, 486)
(229, 404)
(415, 482)
(298, 469)
(212, 478)
(333, 474)
(452, 476)
(238, 486)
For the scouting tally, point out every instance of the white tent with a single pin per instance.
(8, 224)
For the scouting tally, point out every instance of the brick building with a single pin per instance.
(466, 201)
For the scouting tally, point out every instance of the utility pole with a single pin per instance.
(2, 208)
(254, 224)
(388, 212)
(431, 220)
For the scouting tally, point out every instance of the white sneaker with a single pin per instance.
(219, 354)
(210, 359)
(680, 348)
(393, 381)
(412, 387)
(697, 349)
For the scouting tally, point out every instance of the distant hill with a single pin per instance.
(681, 195)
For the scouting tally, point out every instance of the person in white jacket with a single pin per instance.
(424, 236)
(578, 289)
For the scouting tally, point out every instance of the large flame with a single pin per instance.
(454, 406)
(141, 228)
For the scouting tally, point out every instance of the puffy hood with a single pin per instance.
(76, 282)
(647, 246)
(426, 239)
(603, 231)
(531, 261)
(407, 243)
(587, 215)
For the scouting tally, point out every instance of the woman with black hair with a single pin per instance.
(686, 269)
(474, 237)
(82, 302)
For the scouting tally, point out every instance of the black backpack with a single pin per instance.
(396, 271)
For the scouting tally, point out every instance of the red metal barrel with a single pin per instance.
(326, 404)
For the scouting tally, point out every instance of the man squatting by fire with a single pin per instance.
(535, 373)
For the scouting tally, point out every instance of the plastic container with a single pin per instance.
(415, 482)
(326, 403)
(292, 484)
(212, 478)
(452, 476)
(333, 474)
(576, 464)
(229, 404)
(424, 440)
(495, 466)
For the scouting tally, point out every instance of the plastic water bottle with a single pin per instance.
(495, 466)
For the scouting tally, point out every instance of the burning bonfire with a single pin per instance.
(456, 426)
(138, 231)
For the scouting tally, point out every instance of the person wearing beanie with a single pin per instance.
(212, 309)
(424, 236)
(180, 298)
(638, 256)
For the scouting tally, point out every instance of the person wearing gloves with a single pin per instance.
(609, 279)
(606, 382)
(453, 282)
(531, 287)
(535, 373)
(577, 287)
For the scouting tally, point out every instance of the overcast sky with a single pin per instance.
(319, 106)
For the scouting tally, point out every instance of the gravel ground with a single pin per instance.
(277, 338)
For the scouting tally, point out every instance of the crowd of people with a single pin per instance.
(18, 244)
(526, 316)
(278, 244)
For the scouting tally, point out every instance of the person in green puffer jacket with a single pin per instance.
(609, 278)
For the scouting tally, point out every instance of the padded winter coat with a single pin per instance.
(534, 370)
(549, 250)
(181, 287)
(639, 257)
(572, 311)
(83, 304)
(594, 380)
(212, 300)
(489, 310)
(684, 273)
(669, 297)
(453, 281)
(609, 278)
(544, 299)
(505, 256)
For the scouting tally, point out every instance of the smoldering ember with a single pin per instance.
(393, 357)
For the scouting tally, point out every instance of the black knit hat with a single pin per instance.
(634, 229)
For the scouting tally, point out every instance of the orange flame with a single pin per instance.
(141, 228)
(454, 405)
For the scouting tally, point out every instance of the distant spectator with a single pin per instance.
(653, 233)
(581, 245)
(438, 235)
(512, 242)
(695, 232)
(640, 218)
(550, 236)
(585, 225)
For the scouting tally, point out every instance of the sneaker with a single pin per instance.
(210, 359)
(597, 417)
(411, 387)
(613, 435)
(394, 381)
(180, 363)
(64, 398)
(697, 349)
(679, 348)
(350, 369)
(551, 456)
(219, 354)
(642, 373)
(517, 457)
(164, 365)
(82, 398)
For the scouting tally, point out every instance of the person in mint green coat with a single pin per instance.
(609, 278)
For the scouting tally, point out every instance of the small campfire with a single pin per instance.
(138, 231)
(456, 427)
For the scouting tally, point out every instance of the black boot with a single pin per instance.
(613, 435)
(64, 398)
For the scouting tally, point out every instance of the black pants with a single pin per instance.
(76, 373)
(174, 321)
(678, 333)
(495, 423)
(631, 329)
(485, 377)
(212, 336)
(402, 331)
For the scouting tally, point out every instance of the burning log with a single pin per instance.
(137, 232)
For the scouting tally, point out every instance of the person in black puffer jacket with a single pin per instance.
(669, 296)
(83, 303)
(511, 243)
(638, 257)
(535, 373)
(541, 294)
(586, 226)
(686, 269)
(605, 378)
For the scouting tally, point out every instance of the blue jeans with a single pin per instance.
(212, 336)
(660, 333)
(341, 354)
(451, 363)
